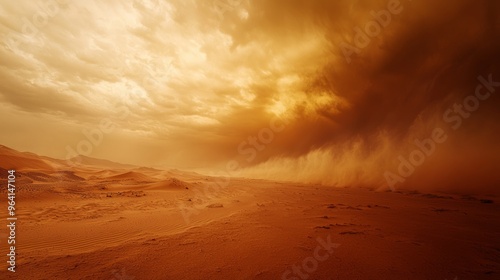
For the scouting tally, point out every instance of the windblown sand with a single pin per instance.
(97, 223)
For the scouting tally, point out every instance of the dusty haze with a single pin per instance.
(250, 139)
(184, 84)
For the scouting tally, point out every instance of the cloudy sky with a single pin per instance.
(326, 91)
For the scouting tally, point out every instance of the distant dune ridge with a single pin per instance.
(103, 163)
(42, 169)
(12, 159)
(130, 175)
(170, 184)
(62, 176)
(26, 161)
(76, 220)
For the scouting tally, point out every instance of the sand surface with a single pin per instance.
(89, 222)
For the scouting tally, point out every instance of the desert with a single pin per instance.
(250, 139)
(140, 223)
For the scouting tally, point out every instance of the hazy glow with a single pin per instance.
(196, 82)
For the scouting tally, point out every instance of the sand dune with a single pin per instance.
(171, 226)
(81, 160)
(130, 175)
(12, 159)
(169, 184)
(67, 176)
